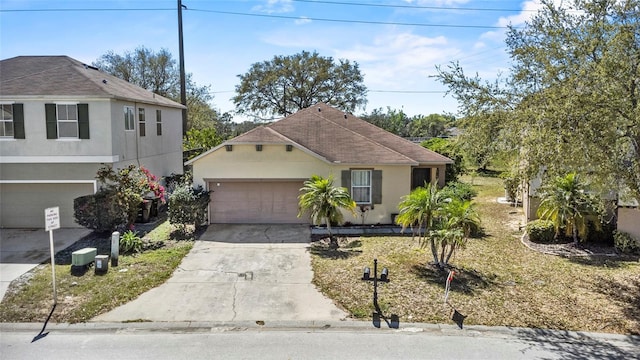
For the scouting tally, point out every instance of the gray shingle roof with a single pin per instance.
(62, 76)
(341, 138)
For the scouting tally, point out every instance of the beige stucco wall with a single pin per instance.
(629, 221)
(273, 162)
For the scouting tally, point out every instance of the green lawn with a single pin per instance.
(80, 298)
(499, 281)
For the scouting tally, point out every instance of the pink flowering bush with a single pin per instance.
(122, 189)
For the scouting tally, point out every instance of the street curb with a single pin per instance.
(311, 326)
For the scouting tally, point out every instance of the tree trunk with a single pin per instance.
(453, 248)
(333, 241)
(575, 232)
(442, 263)
(434, 251)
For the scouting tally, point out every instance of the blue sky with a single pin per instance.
(397, 43)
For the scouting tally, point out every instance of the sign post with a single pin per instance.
(52, 222)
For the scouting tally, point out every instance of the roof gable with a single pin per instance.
(338, 137)
(62, 76)
(345, 138)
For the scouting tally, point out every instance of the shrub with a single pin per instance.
(100, 212)
(511, 184)
(601, 232)
(130, 242)
(188, 206)
(540, 231)
(625, 243)
(459, 190)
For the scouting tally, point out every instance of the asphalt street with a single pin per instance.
(300, 340)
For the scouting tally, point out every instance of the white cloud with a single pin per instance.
(275, 7)
(400, 60)
(302, 20)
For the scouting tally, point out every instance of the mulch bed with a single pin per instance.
(569, 249)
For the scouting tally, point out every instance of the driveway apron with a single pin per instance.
(237, 273)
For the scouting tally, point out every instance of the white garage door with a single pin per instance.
(255, 202)
(22, 205)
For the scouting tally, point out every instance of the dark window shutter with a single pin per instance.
(376, 186)
(51, 120)
(18, 121)
(346, 179)
(83, 121)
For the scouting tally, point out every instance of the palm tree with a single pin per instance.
(566, 203)
(460, 218)
(419, 209)
(323, 201)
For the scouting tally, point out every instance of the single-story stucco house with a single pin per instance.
(256, 177)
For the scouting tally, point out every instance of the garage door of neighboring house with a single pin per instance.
(255, 202)
(22, 205)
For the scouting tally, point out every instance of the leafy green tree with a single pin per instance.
(156, 72)
(571, 98)
(449, 148)
(567, 204)
(393, 121)
(198, 141)
(430, 126)
(323, 201)
(159, 73)
(286, 84)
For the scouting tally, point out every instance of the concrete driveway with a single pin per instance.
(237, 273)
(23, 249)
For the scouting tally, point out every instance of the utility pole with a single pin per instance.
(183, 90)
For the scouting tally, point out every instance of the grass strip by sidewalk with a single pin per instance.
(80, 298)
(499, 281)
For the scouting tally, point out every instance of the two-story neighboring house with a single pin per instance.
(60, 121)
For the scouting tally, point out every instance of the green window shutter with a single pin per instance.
(18, 121)
(83, 121)
(346, 179)
(376, 186)
(51, 120)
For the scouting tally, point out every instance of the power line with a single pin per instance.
(86, 9)
(351, 21)
(411, 6)
(371, 22)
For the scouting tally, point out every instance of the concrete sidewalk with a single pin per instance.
(23, 249)
(237, 273)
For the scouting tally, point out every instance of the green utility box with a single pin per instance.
(83, 257)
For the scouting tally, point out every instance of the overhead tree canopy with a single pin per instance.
(158, 72)
(286, 84)
(394, 121)
(570, 101)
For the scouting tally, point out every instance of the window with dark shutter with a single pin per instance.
(83, 121)
(365, 186)
(11, 121)
(51, 121)
(18, 121)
